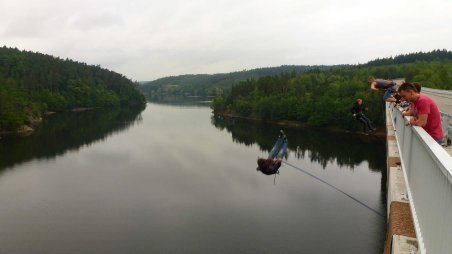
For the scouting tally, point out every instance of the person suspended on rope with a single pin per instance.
(357, 112)
(271, 165)
(388, 86)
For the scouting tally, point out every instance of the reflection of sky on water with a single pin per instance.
(176, 184)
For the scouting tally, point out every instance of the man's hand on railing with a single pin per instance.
(409, 120)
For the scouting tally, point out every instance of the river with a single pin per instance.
(175, 179)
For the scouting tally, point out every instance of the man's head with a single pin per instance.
(370, 79)
(408, 91)
(262, 164)
(359, 101)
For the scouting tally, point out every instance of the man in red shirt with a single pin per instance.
(425, 111)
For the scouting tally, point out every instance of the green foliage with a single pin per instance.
(32, 82)
(213, 85)
(13, 101)
(413, 57)
(219, 104)
(325, 97)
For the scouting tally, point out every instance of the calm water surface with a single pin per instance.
(173, 179)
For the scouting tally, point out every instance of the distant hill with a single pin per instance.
(213, 84)
(172, 87)
(31, 83)
(413, 57)
(324, 97)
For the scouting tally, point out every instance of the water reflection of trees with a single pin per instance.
(193, 101)
(320, 146)
(63, 132)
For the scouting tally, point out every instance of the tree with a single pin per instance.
(34, 82)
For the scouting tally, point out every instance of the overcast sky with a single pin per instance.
(149, 39)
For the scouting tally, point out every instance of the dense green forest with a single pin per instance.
(211, 85)
(31, 83)
(325, 97)
(413, 57)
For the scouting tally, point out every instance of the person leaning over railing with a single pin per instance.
(425, 112)
(409, 110)
(388, 86)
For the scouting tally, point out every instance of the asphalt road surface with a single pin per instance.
(442, 99)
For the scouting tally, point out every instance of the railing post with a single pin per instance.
(445, 120)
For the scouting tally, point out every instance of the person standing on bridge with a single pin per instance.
(357, 112)
(388, 86)
(425, 111)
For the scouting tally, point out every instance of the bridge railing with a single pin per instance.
(428, 175)
(446, 119)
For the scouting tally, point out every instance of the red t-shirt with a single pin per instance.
(426, 106)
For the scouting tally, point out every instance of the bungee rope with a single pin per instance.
(334, 187)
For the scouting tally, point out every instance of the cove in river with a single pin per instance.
(175, 179)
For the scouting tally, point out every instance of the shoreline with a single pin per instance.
(27, 129)
(296, 124)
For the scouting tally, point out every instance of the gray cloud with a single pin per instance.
(145, 40)
(94, 20)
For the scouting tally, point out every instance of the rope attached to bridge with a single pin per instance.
(334, 187)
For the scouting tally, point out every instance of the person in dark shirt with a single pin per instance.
(271, 165)
(388, 86)
(357, 112)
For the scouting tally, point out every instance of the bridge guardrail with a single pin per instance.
(428, 174)
(447, 126)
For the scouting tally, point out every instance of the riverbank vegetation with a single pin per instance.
(211, 85)
(32, 83)
(324, 97)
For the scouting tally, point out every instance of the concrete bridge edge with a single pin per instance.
(401, 234)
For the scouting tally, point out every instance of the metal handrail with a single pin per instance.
(428, 176)
(447, 126)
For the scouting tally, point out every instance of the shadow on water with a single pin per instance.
(322, 147)
(64, 132)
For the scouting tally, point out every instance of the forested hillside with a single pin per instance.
(325, 97)
(211, 85)
(413, 57)
(31, 83)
